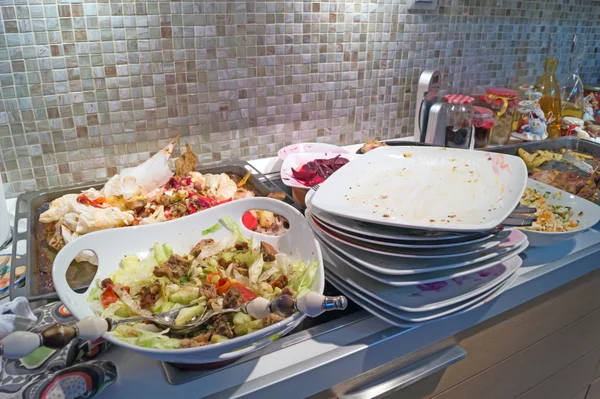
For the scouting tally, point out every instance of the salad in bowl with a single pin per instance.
(206, 261)
(215, 274)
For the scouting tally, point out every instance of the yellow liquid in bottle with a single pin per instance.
(548, 105)
(570, 109)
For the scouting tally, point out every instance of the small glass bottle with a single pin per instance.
(459, 120)
(548, 85)
(572, 88)
(503, 102)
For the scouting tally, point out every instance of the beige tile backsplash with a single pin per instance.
(89, 87)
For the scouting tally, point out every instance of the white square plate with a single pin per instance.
(426, 187)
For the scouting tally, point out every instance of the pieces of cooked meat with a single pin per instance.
(174, 268)
(571, 182)
(233, 298)
(208, 291)
(286, 291)
(280, 282)
(221, 327)
(150, 295)
(273, 319)
(267, 251)
(198, 247)
(197, 341)
(242, 246)
(371, 145)
(106, 282)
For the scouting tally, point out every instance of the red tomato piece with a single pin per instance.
(249, 221)
(247, 293)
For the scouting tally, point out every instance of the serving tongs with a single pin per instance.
(521, 216)
(21, 343)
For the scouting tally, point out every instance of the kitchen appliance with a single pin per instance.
(436, 125)
(428, 90)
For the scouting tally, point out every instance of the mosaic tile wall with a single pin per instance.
(88, 87)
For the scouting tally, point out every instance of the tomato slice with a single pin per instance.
(247, 293)
(210, 277)
(223, 285)
(108, 296)
(249, 221)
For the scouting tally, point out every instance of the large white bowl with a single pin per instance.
(591, 215)
(112, 245)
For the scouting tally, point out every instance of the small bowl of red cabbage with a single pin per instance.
(305, 170)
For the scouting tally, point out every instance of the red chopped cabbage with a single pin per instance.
(317, 171)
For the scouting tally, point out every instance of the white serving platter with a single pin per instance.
(336, 258)
(427, 188)
(428, 296)
(111, 246)
(407, 319)
(589, 218)
(296, 160)
(413, 253)
(393, 265)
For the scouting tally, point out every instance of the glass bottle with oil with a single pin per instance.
(572, 87)
(548, 85)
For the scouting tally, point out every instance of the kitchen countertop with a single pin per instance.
(365, 342)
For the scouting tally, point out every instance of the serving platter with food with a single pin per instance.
(149, 193)
(546, 163)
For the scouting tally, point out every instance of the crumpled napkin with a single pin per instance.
(67, 373)
(16, 315)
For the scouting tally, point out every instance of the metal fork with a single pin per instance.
(578, 163)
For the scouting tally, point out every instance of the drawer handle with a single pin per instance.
(409, 374)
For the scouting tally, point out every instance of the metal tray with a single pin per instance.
(29, 205)
(568, 143)
(393, 143)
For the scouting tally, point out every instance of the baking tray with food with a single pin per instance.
(68, 212)
(546, 163)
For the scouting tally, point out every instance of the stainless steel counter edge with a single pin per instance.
(313, 365)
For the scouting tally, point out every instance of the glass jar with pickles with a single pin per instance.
(503, 102)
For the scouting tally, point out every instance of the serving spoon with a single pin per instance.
(21, 343)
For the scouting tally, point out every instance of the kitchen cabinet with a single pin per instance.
(546, 348)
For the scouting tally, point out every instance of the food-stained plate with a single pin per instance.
(414, 279)
(395, 266)
(297, 160)
(478, 238)
(428, 296)
(388, 232)
(410, 319)
(427, 188)
(414, 252)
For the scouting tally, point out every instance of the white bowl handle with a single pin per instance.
(63, 260)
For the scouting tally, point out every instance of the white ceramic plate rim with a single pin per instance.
(425, 254)
(391, 233)
(296, 160)
(329, 196)
(424, 277)
(511, 265)
(312, 147)
(402, 244)
(369, 303)
(589, 206)
(410, 269)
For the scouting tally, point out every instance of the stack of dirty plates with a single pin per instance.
(418, 234)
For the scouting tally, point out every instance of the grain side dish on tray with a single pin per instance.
(146, 194)
(550, 218)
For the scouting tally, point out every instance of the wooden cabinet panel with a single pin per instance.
(533, 365)
(568, 381)
(505, 335)
(594, 390)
